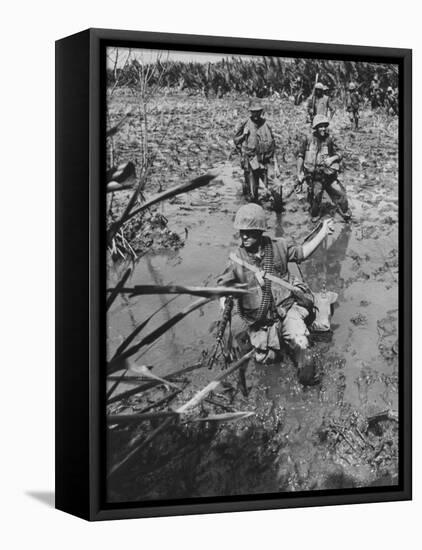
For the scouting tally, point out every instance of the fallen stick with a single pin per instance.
(204, 291)
(139, 417)
(196, 399)
(160, 402)
(145, 387)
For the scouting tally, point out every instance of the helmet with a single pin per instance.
(352, 86)
(255, 105)
(389, 89)
(319, 86)
(319, 119)
(250, 216)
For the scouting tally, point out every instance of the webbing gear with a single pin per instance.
(267, 296)
(226, 319)
(262, 273)
(304, 300)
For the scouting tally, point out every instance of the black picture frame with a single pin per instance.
(80, 273)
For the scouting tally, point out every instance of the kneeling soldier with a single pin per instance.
(318, 163)
(279, 307)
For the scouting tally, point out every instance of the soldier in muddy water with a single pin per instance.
(279, 308)
(353, 101)
(375, 92)
(391, 103)
(318, 164)
(255, 142)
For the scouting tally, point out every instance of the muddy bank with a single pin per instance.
(298, 439)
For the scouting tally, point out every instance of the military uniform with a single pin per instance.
(375, 93)
(284, 318)
(353, 101)
(257, 149)
(391, 103)
(318, 106)
(320, 178)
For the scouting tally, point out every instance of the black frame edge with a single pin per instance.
(72, 293)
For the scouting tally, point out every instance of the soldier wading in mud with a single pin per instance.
(391, 103)
(375, 92)
(318, 163)
(255, 142)
(318, 103)
(279, 307)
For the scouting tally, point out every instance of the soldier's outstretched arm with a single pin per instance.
(326, 229)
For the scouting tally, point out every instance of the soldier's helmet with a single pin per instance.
(250, 216)
(352, 86)
(389, 90)
(318, 120)
(319, 86)
(255, 105)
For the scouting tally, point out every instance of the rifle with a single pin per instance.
(226, 318)
(301, 295)
(313, 98)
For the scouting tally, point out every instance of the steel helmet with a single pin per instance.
(319, 119)
(389, 89)
(250, 216)
(255, 105)
(319, 86)
(352, 86)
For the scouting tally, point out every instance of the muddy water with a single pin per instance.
(359, 369)
(345, 263)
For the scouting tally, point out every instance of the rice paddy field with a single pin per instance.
(340, 433)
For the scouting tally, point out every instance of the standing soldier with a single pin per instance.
(254, 140)
(318, 163)
(375, 92)
(353, 100)
(391, 103)
(318, 103)
(279, 307)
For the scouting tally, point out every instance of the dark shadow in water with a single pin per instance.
(45, 497)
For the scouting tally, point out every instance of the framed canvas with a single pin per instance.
(233, 274)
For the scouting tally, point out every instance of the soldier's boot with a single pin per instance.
(337, 194)
(343, 208)
(306, 367)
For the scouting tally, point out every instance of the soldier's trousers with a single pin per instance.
(354, 116)
(334, 189)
